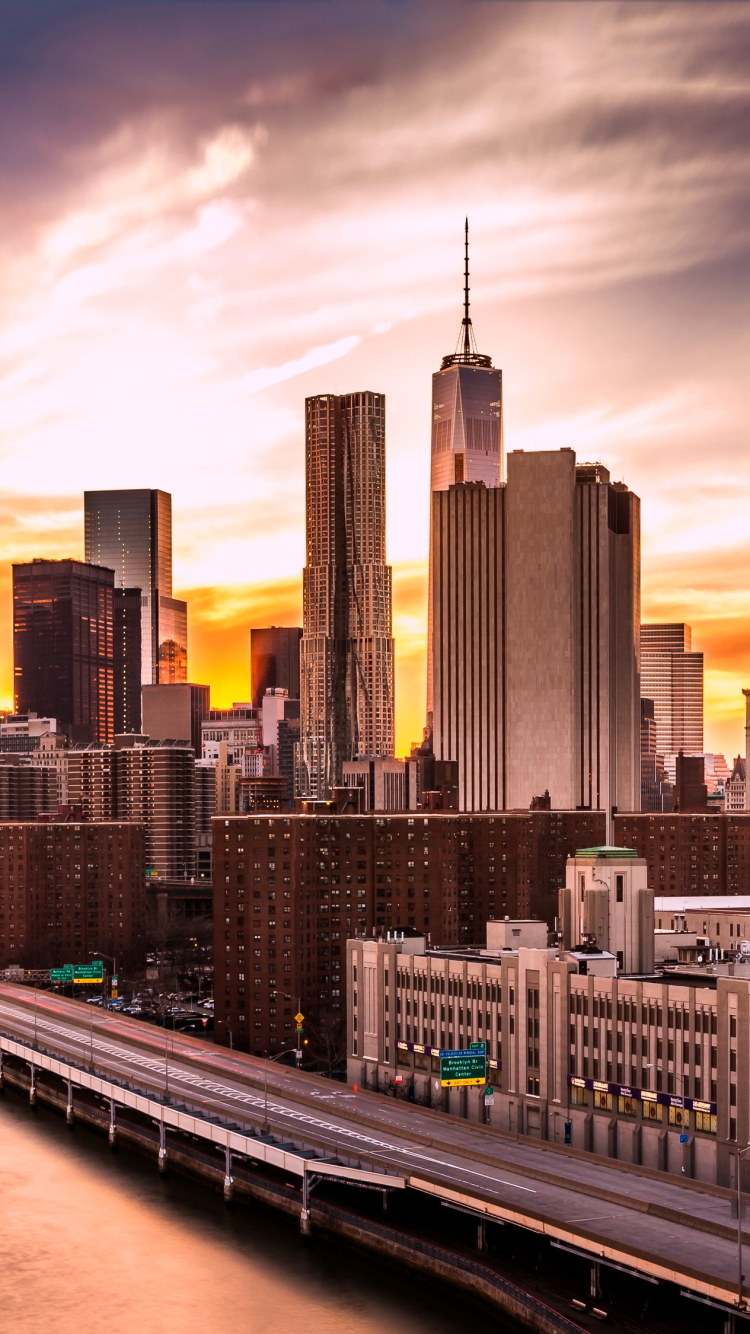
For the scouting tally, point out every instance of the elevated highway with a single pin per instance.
(659, 1227)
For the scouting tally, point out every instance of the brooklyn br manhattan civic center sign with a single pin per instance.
(459, 1068)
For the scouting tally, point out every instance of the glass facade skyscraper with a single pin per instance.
(467, 435)
(131, 533)
(63, 646)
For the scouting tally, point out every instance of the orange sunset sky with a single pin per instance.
(210, 210)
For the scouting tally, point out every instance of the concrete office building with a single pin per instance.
(672, 676)
(21, 734)
(296, 886)
(640, 1067)
(68, 889)
(130, 531)
(241, 727)
(274, 661)
(535, 617)
(176, 712)
(346, 651)
(281, 734)
(63, 645)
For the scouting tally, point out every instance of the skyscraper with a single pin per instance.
(63, 645)
(536, 601)
(274, 661)
(467, 429)
(127, 620)
(346, 659)
(131, 533)
(672, 676)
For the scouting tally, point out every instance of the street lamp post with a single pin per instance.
(277, 1057)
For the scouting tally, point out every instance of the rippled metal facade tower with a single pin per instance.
(346, 659)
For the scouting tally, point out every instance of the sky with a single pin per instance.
(210, 210)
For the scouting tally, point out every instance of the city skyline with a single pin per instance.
(165, 294)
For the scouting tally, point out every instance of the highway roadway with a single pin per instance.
(659, 1226)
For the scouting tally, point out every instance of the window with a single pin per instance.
(619, 887)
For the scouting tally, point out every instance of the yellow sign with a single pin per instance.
(298, 1018)
(461, 1083)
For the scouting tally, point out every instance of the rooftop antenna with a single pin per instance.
(467, 317)
(466, 353)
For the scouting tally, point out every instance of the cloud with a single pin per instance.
(209, 212)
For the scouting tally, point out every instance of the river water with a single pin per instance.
(97, 1243)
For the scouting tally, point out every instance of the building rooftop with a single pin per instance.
(615, 854)
(714, 903)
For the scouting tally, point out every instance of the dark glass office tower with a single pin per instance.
(131, 533)
(127, 620)
(63, 646)
(274, 661)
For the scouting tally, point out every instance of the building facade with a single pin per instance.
(176, 712)
(442, 873)
(346, 651)
(151, 783)
(69, 889)
(535, 597)
(274, 661)
(130, 531)
(643, 1068)
(672, 676)
(25, 790)
(240, 727)
(690, 853)
(63, 645)
(128, 636)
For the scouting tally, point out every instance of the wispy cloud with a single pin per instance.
(204, 220)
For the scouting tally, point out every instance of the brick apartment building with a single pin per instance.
(67, 890)
(290, 889)
(690, 852)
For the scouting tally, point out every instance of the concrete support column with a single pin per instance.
(70, 1115)
(32, 1087)
(112, 1125)
(595, 1288)
(662, 1152)
(228, 1178)
(304, 1218)
(162, 1147)
(2, 1073)
(482, 1235)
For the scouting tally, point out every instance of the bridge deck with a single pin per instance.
(675, 1230)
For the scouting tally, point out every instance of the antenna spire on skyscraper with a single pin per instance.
(466, 353)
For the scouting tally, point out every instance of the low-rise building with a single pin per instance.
(643, 1067)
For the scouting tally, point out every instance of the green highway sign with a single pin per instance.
(460, 1068)
(78, 972)
(477, 1046)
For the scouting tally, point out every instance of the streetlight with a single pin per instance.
(276, 1057)
(741, 1153)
